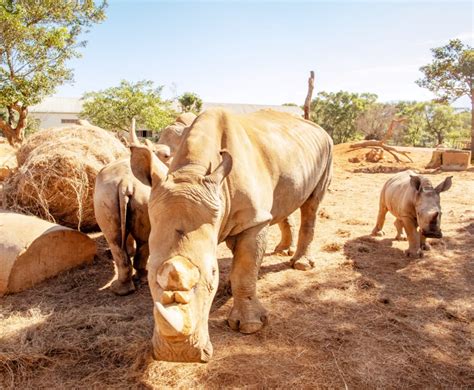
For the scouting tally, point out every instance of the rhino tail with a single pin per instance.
(124, 194)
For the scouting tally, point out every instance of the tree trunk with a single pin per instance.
(15, 134)
(307, 102)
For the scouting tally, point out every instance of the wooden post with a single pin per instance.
(307, 102)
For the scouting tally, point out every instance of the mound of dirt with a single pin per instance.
(58, 167)
(368, 160)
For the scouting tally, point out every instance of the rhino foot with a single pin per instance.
(247, 316)
(303, 263)
(377, 233)
(414, 253)
(425, 246)
(141, 277)
(120, 288)
(281, 251)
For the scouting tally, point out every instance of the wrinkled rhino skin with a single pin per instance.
(230, 179)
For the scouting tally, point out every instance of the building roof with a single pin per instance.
(73, 105)
(70, 105)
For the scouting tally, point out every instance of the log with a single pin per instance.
(390, 149)
(32, 250)
(309, 95)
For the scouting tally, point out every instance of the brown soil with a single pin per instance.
(365, 317)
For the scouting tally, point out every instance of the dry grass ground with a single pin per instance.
(366, 317)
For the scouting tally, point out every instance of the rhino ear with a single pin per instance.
(146, 167)
(415, 182)
(222, 170)
(163, 152)
(444, 185)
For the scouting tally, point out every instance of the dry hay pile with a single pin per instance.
(57, 172)
(7, 159)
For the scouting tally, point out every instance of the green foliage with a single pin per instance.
(190, 102)
(289, 105)
(451, 73)
(440, 121)
(114, 108)
(337, 113)
(37, 38)
(429, 124)
(412, 132)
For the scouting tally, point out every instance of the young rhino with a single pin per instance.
(414, 202)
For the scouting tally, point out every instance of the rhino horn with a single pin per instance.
(174, 318)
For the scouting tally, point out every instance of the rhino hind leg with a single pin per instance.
(139, 262)
(247, 314)
(399, 226)
(286, 246)
(302, 259)
(123, 285)
(377, 230)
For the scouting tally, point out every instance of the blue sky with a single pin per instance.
(261, 51)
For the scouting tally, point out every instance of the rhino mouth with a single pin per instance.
(432, 233)
(184, 351)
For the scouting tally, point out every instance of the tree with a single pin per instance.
(114, 108)
(375, 120)
(412, 132)
(337, 112)
(440, 121)
(451, 75)
(37, 38)
(190, 101)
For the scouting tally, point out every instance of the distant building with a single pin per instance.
(60, 111)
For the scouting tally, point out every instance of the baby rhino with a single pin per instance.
(414, 202)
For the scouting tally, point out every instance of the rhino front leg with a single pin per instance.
(247, 315)
(399, 226)
(413, 238)
(286, 245)
(302, 260)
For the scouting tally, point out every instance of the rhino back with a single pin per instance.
(399, 195)
(278, 159)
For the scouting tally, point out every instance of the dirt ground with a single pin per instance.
(366, 317)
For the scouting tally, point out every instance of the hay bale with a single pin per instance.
(34, 250)
(58, 167)
(8, 161)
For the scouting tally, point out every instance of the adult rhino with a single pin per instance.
(121, 211)
(171, 135)
(231, 178)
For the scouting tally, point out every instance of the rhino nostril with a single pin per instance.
(182, 297)
(167, 297)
